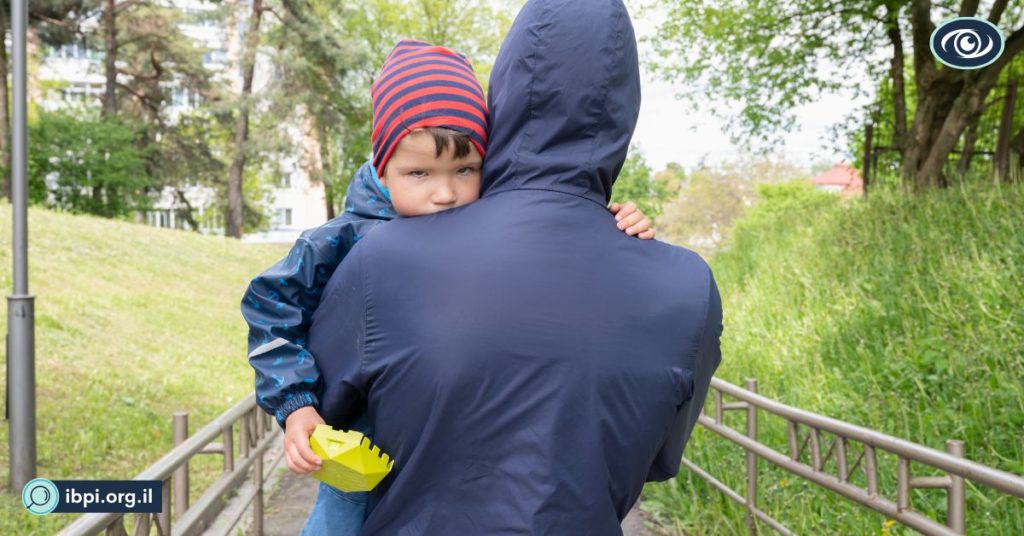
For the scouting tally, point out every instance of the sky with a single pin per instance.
(668, 131)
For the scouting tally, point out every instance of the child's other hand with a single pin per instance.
(631, 220)
(297, 428)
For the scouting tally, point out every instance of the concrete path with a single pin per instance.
(289, 503)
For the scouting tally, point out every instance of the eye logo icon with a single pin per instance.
(40, 496)
(967, 43)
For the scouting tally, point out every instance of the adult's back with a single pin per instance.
(528, 365)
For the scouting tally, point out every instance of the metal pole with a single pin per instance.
(869, 133)
(180, 434)
(1005, 130)
(257, 505)
(955, 495)
(751, 462)
(21, 368)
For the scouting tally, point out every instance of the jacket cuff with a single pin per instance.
(297, 401)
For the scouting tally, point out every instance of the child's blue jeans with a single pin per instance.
(336, 512)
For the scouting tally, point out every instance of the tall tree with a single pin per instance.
(770, 56)
(56, 22)
(241, 132)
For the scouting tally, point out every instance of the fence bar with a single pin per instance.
(903, 484)
(791, 432)
(117, 529)
(718, 406)
(955, 495)
(982, 474)
(770, 521)
(181, 473)
(815, 439)
(751, 461)
(929, 482)
(164, 468)
(142, 522)
(884, 506)
(243, 437)
(257, 504)
(841, 457)
(229, 448)
(212, 501)
(871, 469)
(163, 518)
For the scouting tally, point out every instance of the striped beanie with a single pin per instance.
(420, 86)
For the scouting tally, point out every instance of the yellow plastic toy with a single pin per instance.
(351, 463)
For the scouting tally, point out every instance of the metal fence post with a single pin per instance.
(751, 461)
(181, 473)
(955, 495)
(257, 505)
(163, 519)
(229, 448)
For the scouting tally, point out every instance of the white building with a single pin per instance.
(76, 77)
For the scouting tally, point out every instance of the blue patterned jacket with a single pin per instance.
(279, 303)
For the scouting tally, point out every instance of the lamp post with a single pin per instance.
(21, 374)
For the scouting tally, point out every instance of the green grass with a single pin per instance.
(133, 323)
(903, 314)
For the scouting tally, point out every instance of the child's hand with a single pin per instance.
(297, 428)
(631, 220)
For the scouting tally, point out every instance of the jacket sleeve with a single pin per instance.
(709, 355)
(278, 307)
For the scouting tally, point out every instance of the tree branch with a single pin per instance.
(921, 29)
(969, 8)
(142, 97)
(128, 4)
(997, 11)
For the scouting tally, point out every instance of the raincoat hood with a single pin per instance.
(367, 197)
(564, 98)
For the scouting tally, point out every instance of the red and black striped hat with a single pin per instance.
(420, 86)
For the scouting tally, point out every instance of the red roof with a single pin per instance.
(843, 175)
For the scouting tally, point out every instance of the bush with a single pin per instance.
(84, 164)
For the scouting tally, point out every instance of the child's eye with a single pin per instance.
(465, 170)
(418, 173)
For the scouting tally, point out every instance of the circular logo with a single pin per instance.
(967, 43)
(40, 496)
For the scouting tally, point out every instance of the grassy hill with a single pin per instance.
(901, 314)
(133, 323)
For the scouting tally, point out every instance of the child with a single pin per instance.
(429, 139)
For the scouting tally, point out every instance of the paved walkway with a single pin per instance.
(286, 517)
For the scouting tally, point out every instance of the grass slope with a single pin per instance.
(133, 323)
(901, 314)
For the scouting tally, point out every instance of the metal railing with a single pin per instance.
(845, 437)
(256, 433)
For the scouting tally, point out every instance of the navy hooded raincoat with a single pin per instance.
(527, 364)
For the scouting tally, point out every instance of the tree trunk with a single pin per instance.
(899, 92)
(966, 110)
(110, 46)
(970, 137)
(235, 198)
(929, 117)
(5, 115)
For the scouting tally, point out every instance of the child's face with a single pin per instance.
(420, 182)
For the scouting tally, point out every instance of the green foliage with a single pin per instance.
(764, 58)
(635, 183)
(903, 314)
(133, 323)
(84, 164)
(702, 213)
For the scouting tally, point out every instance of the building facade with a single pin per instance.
(74, 76)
